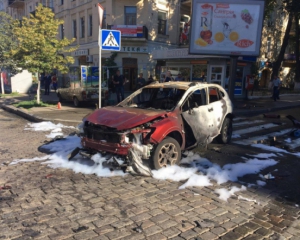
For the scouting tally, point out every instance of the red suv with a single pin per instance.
(158, 121)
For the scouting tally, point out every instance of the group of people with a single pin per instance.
(48, 80)
(118, 81)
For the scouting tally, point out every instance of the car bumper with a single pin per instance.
(101, 146)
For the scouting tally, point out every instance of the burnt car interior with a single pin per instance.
(155, 98)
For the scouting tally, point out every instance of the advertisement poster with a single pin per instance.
(6, 81)
(83, 73)
(226, 28)
(93, 76)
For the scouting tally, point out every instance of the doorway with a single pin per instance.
(130, 73)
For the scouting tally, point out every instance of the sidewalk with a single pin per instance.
(72, 115)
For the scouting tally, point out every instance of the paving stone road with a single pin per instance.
(45, 203)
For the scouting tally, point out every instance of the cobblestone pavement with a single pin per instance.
(45, 203)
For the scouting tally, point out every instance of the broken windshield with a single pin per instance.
(154, 98)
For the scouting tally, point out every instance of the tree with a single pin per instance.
(292, 7)
(6, 44)
(38, 48)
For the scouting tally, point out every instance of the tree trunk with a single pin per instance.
(38, 90)
(297, 77)
(2, 84)
(280, 57)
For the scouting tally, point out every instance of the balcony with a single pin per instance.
(16, 3)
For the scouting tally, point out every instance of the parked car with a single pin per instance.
(79, 94)
(160, 120)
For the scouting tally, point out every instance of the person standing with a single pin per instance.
(168, 77)
(150, 80)
(179, 78)
(119, 81)
(276, 86)
(140, 82)
(47, 84)
(54, 82)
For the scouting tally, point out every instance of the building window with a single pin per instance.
(82, 27)
(162, 22)
(268, 44)
(61, 2)
(74, 29)
(62, 31)
(90, 25)
(130, 15)
(30, 9)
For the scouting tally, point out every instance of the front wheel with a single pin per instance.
(226, 132)
(167, 152)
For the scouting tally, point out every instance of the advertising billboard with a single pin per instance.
(231, 27)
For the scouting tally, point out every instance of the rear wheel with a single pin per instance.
(76, 102)
(226, 132)
(167, 152)
(60, 99)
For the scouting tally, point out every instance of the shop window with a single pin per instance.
(162, 22)
(130, 15)
(199, 73)
(82, 27)
(74, 28)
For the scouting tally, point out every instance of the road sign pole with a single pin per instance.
(100, 72)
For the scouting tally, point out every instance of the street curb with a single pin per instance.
(32, 117)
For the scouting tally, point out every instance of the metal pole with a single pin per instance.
(100, 75)
(232, 76)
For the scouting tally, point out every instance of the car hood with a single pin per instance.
(123, 118)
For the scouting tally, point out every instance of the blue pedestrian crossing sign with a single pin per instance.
(110, 39)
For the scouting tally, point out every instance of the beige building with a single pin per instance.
(145, 26)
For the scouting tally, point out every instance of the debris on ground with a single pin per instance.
(49, 176)
(5, 187)
(205, 223)
(269, 176)
(81, 228)
(271, 116)
(139, 228)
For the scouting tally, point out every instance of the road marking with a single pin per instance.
(246, 123)
(255, 128)
(262, 137)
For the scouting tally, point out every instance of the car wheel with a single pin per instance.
(76, 102)
(167, 152)
(226, 132)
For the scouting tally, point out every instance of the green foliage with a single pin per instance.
(7, 43)
(38, 48)
(31, 104)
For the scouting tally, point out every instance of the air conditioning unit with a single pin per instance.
(89, 58)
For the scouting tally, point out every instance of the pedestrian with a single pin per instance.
(119, 81)
(168, 77)
(150, 80)
(47, 84)
(54, 82)
(276, 86)
(179, 78)
(140, 82)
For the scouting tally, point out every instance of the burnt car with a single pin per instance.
(157, 122)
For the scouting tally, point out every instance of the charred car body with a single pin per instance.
(158, 121)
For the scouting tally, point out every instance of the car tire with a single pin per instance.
(76, 102)
(226, 132)
(167, 152)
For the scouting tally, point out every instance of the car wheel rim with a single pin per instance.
(168, 154)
